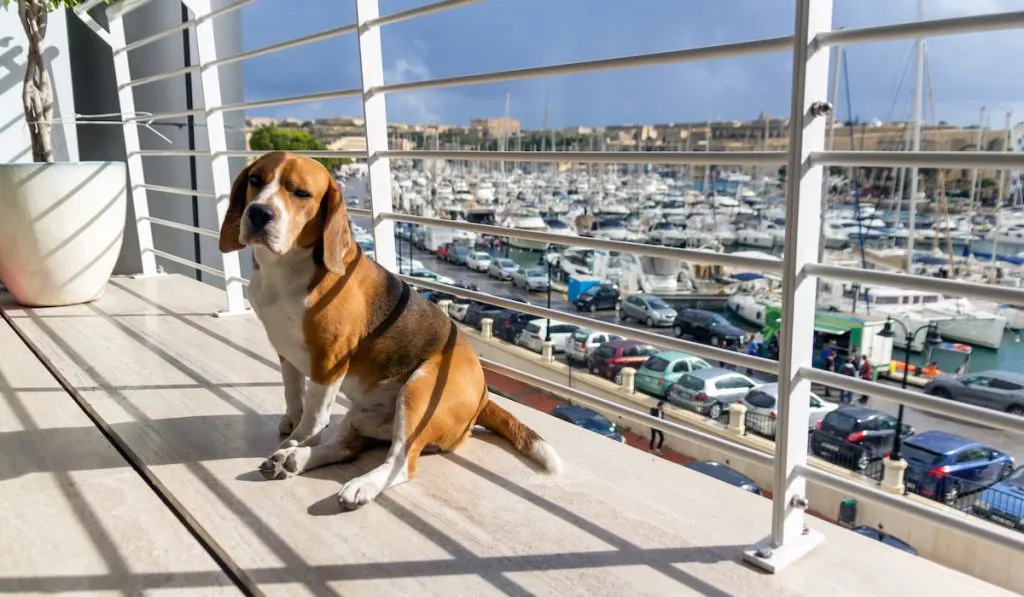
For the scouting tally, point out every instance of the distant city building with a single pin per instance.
(493, 128)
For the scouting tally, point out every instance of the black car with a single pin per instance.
(886, 538)
(479, 311)
(708, 327)
(436, 296)
(597, 297)
(588, 419)
(726, 474)
(854, 436)
(508, 324)
(457, 253)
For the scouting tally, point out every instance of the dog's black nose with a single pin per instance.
(260, 215)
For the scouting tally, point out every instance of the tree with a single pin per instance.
(37, 92)
(270, 138)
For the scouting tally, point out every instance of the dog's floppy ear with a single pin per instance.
(230, 228)
(337, 235)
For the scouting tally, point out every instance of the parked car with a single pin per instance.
(535, 333)
(762, 404)
(459, 308)
(660, 371)
(437, 296)
(648, 309)
(854, 436)
(612, 357)
(365, 242)
(597, 298)
(509, 324)
(442, 250)
(708, 327)
(1003, 503)
(944, 466)
(478, 261)
(584, 342)
(886, 538)
(477, 311)
(999, 390)
(426, 274)
(709, 391)
(589, 419)
(502, 268)
(408, 265)
(723, 473)
(533, 278)
(458, 254)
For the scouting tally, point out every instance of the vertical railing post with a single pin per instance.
(371, 74)
(790, 539)
(136, 177)
(206, 48)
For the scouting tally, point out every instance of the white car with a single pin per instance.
(478, 261)
(535, 333)
(584, 342)
(502, 269)
(762, 405)
(404, 265)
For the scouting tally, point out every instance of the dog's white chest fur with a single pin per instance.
(279, 293)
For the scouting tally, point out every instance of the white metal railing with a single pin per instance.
(810, 46)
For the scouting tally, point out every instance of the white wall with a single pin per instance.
(15, 144)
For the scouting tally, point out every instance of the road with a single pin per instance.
(922, 421)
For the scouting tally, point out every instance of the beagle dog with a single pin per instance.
(341, 322)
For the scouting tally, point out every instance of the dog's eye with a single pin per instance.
(255, 180)
(302, 194)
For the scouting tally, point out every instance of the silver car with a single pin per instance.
(762, 405)
(998, 390)
(534, 278)
(584, 342)
(648, 309)
(709, 391)
(502, 269)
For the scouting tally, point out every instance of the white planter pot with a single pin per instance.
(61, 227)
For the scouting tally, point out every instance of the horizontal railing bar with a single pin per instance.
(634, 416)
(124, 7)
(188, 263)
(689, 255)
(174, 190)
(922, 159)
(722, 158)
(930, 28)
(946, 517)
(985, 417)
(419, 11)
(296, 99)
(180, 226)
(87, 6)
(774, 44)
(170, 153)
(291, 43)
(701, 350)
(161, 76)
(182, 26)
(987, 292)
(355, 211)
(312, 153)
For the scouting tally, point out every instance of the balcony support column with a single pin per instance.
(790, 539)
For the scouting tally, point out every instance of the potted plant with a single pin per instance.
(61, 224)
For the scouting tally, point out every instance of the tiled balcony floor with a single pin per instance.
(198, 397)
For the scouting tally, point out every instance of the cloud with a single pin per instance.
(412, 106)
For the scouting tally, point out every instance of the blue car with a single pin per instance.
(944, 466)
(1003, 503)
(588, 419)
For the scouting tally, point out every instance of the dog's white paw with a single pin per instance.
(286, 462)
(358, 492)
(288, 423)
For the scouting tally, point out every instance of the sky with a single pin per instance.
(965, 72)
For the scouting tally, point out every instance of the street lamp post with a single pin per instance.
(931, 339)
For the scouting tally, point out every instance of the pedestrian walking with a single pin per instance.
(656, 434)
(867, 374)
(847, 368)
(830, 366)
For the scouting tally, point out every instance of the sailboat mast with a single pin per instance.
(1007, 146)
(916, 118)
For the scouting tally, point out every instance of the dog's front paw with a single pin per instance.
(358, 492)
(288, 423)
(286, 462)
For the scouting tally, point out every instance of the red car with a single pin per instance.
(609, 360)
(442, 250)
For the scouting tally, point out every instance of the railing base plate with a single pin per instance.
(159, 274)
(772, 559)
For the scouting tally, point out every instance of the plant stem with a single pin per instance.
(37, 94)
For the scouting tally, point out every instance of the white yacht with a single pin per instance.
(529, 222)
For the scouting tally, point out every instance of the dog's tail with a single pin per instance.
(526, 440)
